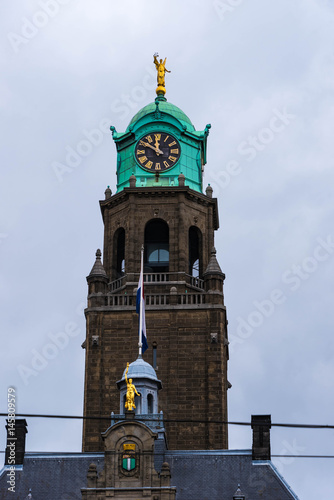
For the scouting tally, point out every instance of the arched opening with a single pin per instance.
(138, 405)
(149, 403)
(195, 252)
(119, 252)
(156, 254)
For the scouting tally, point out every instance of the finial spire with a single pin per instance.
(161, 69)
(98, 269)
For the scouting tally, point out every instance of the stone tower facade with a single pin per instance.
(165, 210)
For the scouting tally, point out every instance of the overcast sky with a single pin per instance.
(261, 72)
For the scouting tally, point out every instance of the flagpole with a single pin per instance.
(140, 343)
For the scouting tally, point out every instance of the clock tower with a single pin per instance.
(159, 144)
(160, 204)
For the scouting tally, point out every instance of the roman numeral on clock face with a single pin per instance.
(157, 151)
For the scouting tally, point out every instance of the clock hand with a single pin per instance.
(148, 145)
(157, 145)
(157, 150)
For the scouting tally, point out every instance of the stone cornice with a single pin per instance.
(159, 191)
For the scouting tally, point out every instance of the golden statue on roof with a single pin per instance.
(161, 69)
(130, 392)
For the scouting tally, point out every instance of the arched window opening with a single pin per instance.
(149, 403)
(138, 405)
(156, 247)
(124, 401)
(119, 252)
(195, 269)
(195, 244)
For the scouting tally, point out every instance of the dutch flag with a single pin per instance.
(140, 307)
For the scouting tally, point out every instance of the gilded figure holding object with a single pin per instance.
(130, 392)
(161, 69)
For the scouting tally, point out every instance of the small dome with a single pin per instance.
(140, 369)
(164, 107)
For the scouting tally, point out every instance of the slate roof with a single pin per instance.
(51, 476)
(212, 475)
(198, 475)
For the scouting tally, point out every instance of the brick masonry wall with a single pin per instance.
(192, 368)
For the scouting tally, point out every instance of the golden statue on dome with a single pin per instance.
(130, 392)
(161, 69)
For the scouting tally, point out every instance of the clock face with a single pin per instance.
(157, 151)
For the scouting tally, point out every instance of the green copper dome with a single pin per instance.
(184, 153)
(164, 107)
